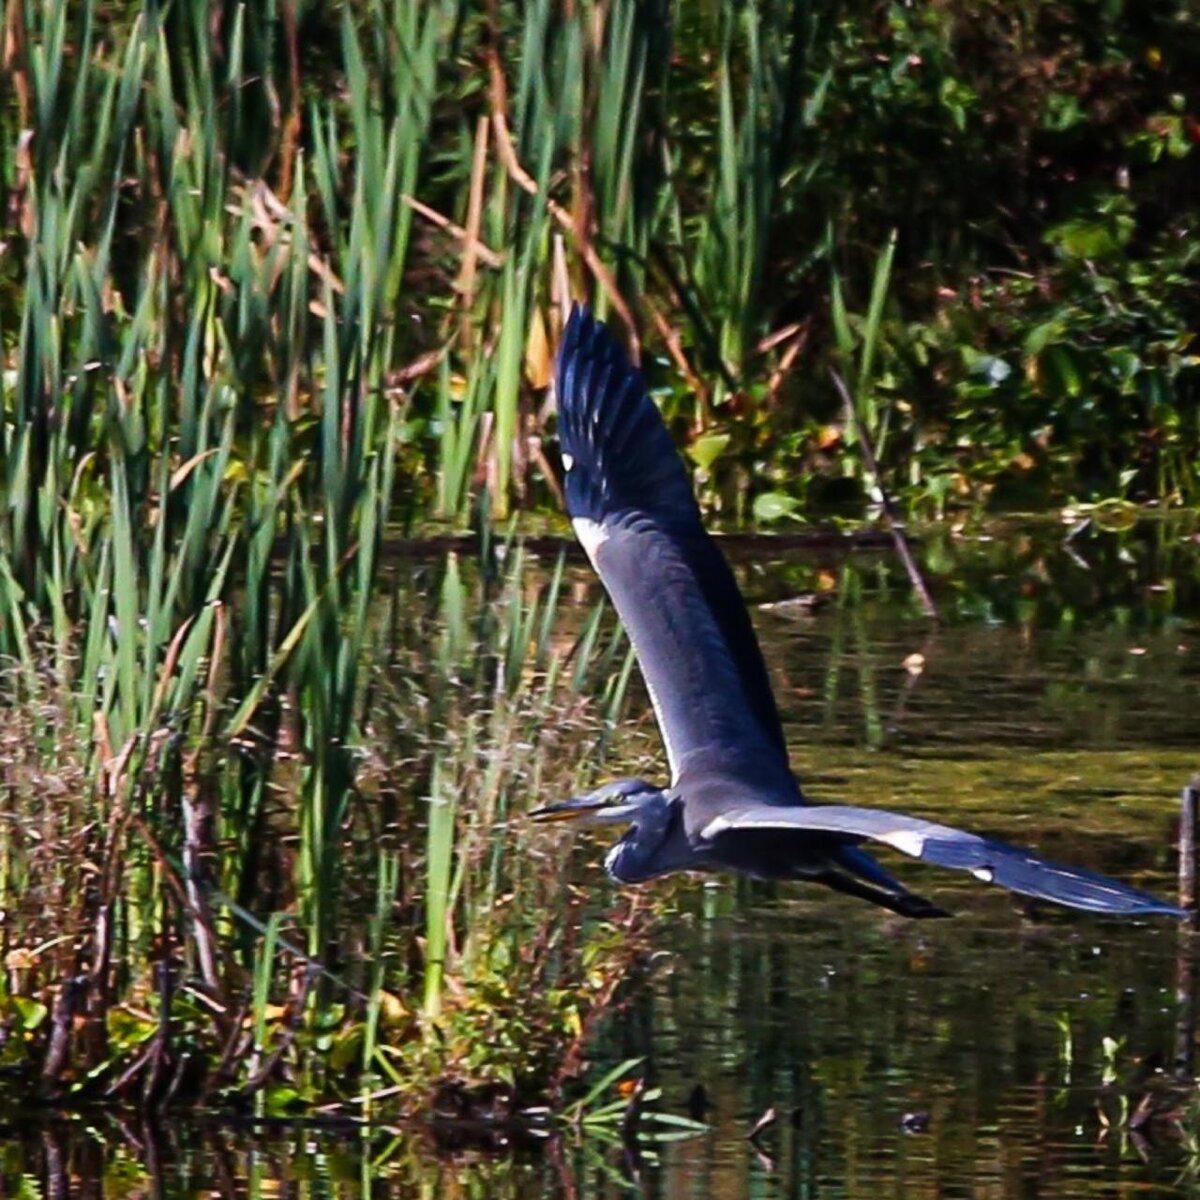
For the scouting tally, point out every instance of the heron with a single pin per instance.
(732, 803)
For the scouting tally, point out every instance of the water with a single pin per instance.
(999, 1054)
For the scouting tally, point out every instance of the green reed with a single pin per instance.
(858, 344)
(203, 441)
(266, 308)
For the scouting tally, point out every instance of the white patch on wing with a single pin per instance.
(907, 841)
(568, 461)
(983, 874)
(591, 534)
(672, 757)
(715, 826)
(832, 818)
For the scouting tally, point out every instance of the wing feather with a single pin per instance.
(632, 505)
(945, 846)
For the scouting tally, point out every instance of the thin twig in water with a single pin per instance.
(764, 1122)
(895, 525)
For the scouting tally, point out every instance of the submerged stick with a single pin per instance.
(1189, 804)
(67, 1004)
(895, 525)
(631, 1118)
(1185, 971)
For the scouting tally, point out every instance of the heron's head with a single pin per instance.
(649, 812)
(616, 803)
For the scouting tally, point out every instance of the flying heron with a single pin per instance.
(733, 803)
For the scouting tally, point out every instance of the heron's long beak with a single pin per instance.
(584, 808)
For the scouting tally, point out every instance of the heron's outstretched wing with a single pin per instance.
(991, 861)
(632, 506)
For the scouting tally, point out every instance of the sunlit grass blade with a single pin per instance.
(439, 864)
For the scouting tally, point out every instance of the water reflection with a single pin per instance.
(1001, 1054)
(109, 1159)
(988, 1034)
(1019, 1043)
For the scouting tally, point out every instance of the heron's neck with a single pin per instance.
(655, 844)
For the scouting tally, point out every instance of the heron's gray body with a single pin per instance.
(733, 802)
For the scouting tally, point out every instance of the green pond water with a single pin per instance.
(999, 1054)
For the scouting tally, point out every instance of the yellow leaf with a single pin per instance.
(271, 1013)
(538, 360)
(392, 1010)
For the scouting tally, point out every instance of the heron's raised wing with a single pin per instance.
(991, 861)
(632, 506)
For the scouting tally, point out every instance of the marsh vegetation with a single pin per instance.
(280, 289)
(1009, 1047)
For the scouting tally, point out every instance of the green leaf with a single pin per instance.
(1088, 238)
(1040, 336)
(774, 506)
(1115, 515)
(127, 1029)
(677, 1121)
(283, 1100)
(30, 1012)
(1063, 112)
(1061, 370)
(705, 450)
(347, 1048)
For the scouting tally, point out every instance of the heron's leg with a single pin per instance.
(904, 902)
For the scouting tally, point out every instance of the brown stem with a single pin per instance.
(673, 340)
(525, 181)
(159, 1054)
(1190, 802)
(470, 235)
(631, 1118)
(236, 1045)
(62, 1020)
(291, 122)
(199, 817)
(473, 247)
